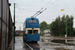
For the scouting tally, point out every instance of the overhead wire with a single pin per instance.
(47, 3)
(52, 3)
(43, 9)
(19, 7)
(39, 12)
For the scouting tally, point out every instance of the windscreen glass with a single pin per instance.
(29, 31)
(35, 31)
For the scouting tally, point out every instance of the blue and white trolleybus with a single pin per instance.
(31, 30)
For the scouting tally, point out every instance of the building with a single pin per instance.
(19, 33)
(47, 32)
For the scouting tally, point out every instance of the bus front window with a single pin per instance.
(29, 31)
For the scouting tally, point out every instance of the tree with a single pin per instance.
(62, 25)
(43, 26)
(52, 28)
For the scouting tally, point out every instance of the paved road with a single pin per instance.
(45, 43)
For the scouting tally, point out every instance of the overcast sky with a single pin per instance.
(27, 8)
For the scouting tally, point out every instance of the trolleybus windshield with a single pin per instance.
(29, 31)
(34, 31)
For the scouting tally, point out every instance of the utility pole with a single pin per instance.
(70, 27)
(66, 29)
(14, 22)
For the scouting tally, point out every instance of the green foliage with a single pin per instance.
(43, 26)
(73, 34)
(41, 34)
(58, 27)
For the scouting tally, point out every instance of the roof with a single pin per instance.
(32, 18)
(32, 25)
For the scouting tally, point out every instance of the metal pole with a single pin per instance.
(14, 22)
(66, 27)
(70, 27)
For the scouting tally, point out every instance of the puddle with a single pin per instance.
(45, 40)
(46, 49)
(42, 40)
(61, 49)
(54, 49)
(66, 42)
(51, 44)
(58, 41)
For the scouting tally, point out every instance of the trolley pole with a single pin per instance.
(14, 22)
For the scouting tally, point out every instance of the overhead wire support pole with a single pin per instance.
(66, 28)
(14, 22)
(70, 27)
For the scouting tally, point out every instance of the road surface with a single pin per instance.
(46, 43)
